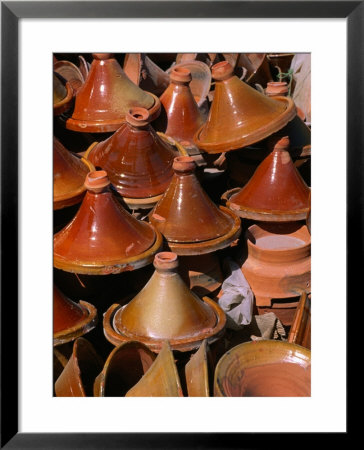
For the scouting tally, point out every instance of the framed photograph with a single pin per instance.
(31, 33)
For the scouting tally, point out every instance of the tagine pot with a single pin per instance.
(103, 238)
(197, 372)
(240, 115)
(276, 191)
(279, 88)
(106, 96)
(137, 160)
(62, 95)
(278, 265)
(264, 368)
(78, 376)
(190, 222)
(165, 309)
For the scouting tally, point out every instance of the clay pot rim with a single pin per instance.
(275, 125)
(72, 197)
(70, 64)
(260, 350)
(104, 126)
(86, 324)
(66, 103)
(223, 71)
(155, 345)
(96, 181)
(262, 215)
(113, 266)
(180, 75)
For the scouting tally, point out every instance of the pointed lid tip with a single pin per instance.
(165, 261)
(102, 56)
(184, 164)
(279, 142)
(222, 71)
(181, 74)
(138, 117)
(96, 181)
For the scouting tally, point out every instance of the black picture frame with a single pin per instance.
(11, 12)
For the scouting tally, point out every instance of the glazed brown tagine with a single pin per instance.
(137, 160)
(70, 319)
(103, 238)
(239, 114)
(77, 378)
(190, 222)
(197, 373)
(62, 95)
(165, 309)
(264, 369)
(183, 116)
(69, 173)
(106, 96)
(276, 191)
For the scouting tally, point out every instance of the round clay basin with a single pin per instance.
(264, 369)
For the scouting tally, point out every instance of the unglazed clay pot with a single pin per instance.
(62, 95)
(197, 373)
(78, 376)
(279, 88)
(137, 160)
(183, 116)
(240, 115)
(69, 173)
(145, 73)
(123, 368)
(165, 309)
(106, 96)
(103, 238)
(264, 369)
(278, 265)
(276, 191)
(190, 222)
(70, 319)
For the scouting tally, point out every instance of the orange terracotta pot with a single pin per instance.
(278, 265)
(103, 238)
(137, 160)
(165, 309)
(62, 95)
(106, 96)
(190, 222)
(278, 88)
(281, 61)
(264, 369)
(69, 173)
(183, 116)
(240, 115)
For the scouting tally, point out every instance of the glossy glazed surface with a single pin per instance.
(66, 313)
(197, 376)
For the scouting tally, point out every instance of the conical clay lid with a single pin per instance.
(183, 116)
(185, 214)
(276, 191)
(137, 160)
(69, 173)
(240, 115)
(106, 96)
(103, 237)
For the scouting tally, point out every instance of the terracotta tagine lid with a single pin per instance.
(77, 378)
(106, 96)
(165, 309)
(240, 115)
(103, 238)
(145, 73)
(264, 369)
(190, 222)
(69, 173)
(62, 95)
(183, 116)
(276, 191)
(70, 319)
(137, 160)
(197, 373)
(123, 368)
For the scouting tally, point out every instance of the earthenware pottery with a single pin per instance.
(69, 173)
(145, 73)
(240, 115)
(103, 238)
(183, 116)
(278, 265)
(62, 95)
(78, 376)
(165, 309)
(106, 96)
(83, 66)
(264, 368)
(137, 160)
(190, 222)
(70, 319)
(123, 368)
(161, 380)
(280, 61)
(197, 373)
(276, 88)
(69, 72)
(276, 191)
(200, 78)
(300, 331)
